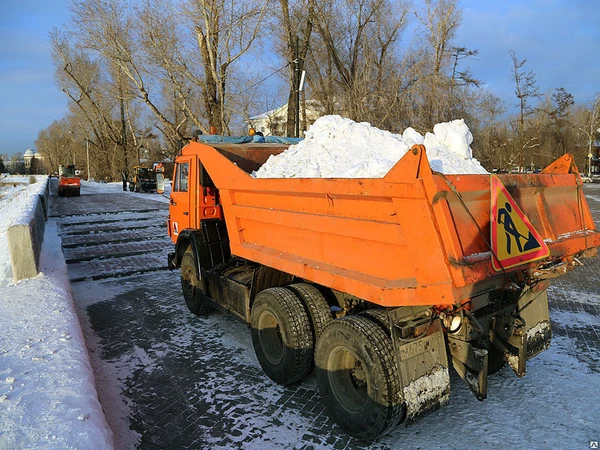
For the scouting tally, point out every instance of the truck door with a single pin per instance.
(182, 201)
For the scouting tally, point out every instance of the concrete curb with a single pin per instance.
(26, 234)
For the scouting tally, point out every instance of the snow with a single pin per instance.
(47, 386)
(336, 147)
(433, 387)
(16, 196)
(117, 187)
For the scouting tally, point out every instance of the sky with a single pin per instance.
(559, 38)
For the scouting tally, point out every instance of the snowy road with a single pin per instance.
(168, 379)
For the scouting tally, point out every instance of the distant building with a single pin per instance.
(23, 164)
(29, 155)
(273, 123)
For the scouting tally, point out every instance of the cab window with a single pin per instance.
(181, 178)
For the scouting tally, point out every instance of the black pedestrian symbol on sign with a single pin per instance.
(505, 219)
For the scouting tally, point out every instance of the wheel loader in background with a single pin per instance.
(379, 285)
(69, 184)
(144, 180)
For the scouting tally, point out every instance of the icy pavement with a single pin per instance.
(186, 382)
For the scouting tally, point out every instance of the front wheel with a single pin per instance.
(358, 378)
(193, 286)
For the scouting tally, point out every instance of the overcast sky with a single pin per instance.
(559, 38)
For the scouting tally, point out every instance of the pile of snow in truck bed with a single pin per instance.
(336, 147)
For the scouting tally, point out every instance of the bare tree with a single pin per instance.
(109, 30)
(225, 31)
(526, 89)
(357, 40)
(590, 124)
(296, 20)
(441, 19)
(94, 98)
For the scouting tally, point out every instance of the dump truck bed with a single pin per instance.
(413, 237)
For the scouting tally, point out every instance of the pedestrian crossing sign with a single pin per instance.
(514, 239)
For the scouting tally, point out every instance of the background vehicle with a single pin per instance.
(377, 284)
(68, 183)
(144, 180)
(585, 178)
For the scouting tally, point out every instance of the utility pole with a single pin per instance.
(297, 87)
(87, 152)
(124, 129)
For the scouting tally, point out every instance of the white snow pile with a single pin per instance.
(17, 198)
(336, 147)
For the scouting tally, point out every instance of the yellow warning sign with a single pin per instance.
(514, 239)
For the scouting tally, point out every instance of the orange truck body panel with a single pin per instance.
(413, 237)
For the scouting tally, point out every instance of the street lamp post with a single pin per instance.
(87, 153)
(590, 164)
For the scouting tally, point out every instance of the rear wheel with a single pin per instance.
(192, 285)
(282, 335)
(380, 317)
(317, 307)
(358, 378)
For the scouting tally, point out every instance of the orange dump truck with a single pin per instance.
(379, 285)
(69, 184)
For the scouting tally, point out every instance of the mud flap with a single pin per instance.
(531, 331)
(471, 364)
(423, 366)
(533, 308)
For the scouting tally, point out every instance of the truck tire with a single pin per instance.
(282, 335)
(316, 306)
(358, 377)
(380, 317)
(193, 287)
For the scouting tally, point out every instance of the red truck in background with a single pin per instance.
(68, 183)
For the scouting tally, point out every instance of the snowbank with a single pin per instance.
(336, 147)
(48, 397)
(26, 232)
(16, 200)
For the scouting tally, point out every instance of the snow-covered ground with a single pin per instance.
(47, 389)
(16, 193)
